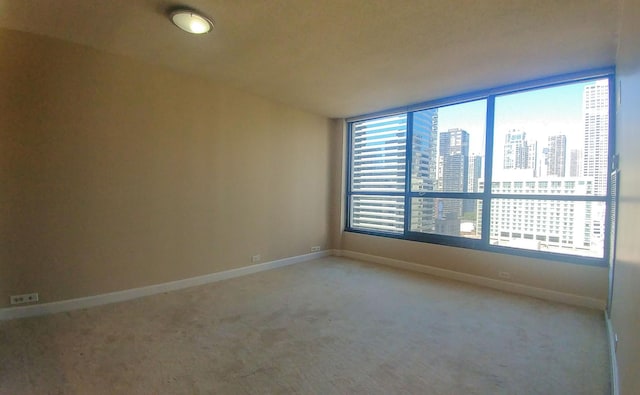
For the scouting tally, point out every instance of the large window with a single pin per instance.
(424, 174)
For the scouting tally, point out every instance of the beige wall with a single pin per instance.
(568, 278)
(625, 313)
(338, 155)
(118, 174)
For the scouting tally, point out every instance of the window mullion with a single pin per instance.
(407, 170)
(488, 167)
(348, 175)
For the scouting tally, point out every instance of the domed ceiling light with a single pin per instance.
(190, 21)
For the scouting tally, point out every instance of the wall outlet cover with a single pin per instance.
(24, 298)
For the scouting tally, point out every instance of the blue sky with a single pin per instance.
(540, 113)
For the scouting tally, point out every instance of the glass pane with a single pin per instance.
(378, 154)
(568, 227)
(378, 213)
(551, 135)
(453, 217)
(448, 148)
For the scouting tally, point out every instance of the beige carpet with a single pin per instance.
(330, 326)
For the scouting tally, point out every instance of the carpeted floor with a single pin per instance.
(330, 326)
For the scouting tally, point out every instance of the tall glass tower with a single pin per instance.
(595, 110)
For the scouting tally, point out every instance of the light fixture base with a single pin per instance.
(190, 20)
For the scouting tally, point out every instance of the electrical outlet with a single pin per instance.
(25, 298)
(505, 275)
(256, 258)
(315, 248)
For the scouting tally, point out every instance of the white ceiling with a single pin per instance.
(343, 57)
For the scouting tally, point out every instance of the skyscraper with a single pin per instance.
(595, 111)
(556, 155)
(575, 163)
(475, 172)
(532, 155)
(424, 150)
(378, 165)
(423, 168)
(453, 168)
(518, 152)
(557, 226)
(453, 160)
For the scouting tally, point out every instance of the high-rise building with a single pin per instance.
(378, 165)
(541, 168)
(575, 163)
(595, 111)
(453, 168)
(532, 155)
(424, 150)
(453, 160)
(518, 152)
(556, 226)
(423, 169)
(556, 155)
(475, 172)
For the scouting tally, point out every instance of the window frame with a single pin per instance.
(486, 196)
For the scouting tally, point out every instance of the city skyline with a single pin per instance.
(522, 112)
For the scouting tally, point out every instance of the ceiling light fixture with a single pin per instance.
(190, 21)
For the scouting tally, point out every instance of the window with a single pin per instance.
(420, 174)
(444, 165)
(378, 151)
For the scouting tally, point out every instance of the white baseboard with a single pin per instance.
(119, 296)
(522, 289)
(615, 386)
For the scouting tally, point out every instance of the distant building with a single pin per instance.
(424, 154)
(595, 109)
(453, 160)
(575, 163)
(378, 167)
(556, 155)
(519, 153)
(475, 172)
(424, 169)
(453, 176)
(556, 226)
